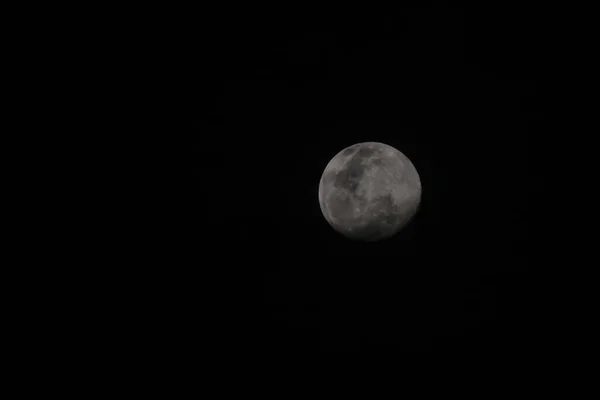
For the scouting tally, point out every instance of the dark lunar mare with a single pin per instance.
(342, 204)
(365, 152)
(349, 178)
(347, 182)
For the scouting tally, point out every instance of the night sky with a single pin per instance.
(267, 102)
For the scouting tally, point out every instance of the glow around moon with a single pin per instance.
(369, 191)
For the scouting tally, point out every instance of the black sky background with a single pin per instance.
(266, 102)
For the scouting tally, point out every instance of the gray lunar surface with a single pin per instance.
(369, 191)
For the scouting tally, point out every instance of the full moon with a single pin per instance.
(369, 191)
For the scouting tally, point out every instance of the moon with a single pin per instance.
(369, 191)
